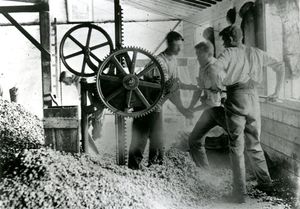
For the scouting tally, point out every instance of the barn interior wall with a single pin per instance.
(20, 60)
(21, 67)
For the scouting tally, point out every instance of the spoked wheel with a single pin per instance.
(130, 82)
(80, 55)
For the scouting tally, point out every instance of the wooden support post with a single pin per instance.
(118, 25)
(260, 23)
(84, 116)
(46, 59)
(121, 140)
(260, 38)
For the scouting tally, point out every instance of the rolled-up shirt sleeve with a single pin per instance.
(223, 60)
(269, 61)
(216, 76)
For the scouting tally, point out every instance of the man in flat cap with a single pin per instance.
(243, 67)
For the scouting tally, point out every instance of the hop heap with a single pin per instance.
(19, 130)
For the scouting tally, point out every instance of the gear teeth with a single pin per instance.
(140, 113)
(126, 139)
(122, 26)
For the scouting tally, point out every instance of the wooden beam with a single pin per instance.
(26, 34)
(84, 116)
(184, 10)
(94, 22)
(201, 3)
(27, 1)
(27, 8)
(161, 11)
(45, 58)
(208, 1)
(170, 4)
(60, 123)
(189, 3)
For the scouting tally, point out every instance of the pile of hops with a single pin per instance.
(19, 130)
(45, 178)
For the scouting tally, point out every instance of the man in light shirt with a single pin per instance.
(151, 126)
(96, 117)
(213, 114)
(243, 67)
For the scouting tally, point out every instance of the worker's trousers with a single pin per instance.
(210, 118)
(242, 113)
(97, 123)
(144, 128)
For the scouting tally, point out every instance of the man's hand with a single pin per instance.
(186, 112)
(189, 114)
(172, 85)
(199, 107)
(273, 97)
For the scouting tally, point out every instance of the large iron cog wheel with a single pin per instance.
(133, 89)
(75, 52)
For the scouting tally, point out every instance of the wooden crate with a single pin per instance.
(62, 128)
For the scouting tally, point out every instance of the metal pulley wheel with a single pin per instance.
(130, 82)
(82, 56)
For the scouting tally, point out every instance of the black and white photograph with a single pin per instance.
(149, 104)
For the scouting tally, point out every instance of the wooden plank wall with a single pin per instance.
(62, 131)
(281, 134)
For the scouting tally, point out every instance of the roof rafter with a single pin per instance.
(27, 1)
(190, 3)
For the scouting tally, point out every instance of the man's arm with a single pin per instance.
(196, 96)
(191, 87)
(216, 75)
(217, 70)
(176, 100)
(173, 94)
(280, 75)
(279, 69)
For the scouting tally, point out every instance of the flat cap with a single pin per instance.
(233, 32)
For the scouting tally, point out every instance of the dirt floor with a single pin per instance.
(38, 177)
(219, 162)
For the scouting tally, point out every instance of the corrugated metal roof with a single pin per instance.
(173, 8)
